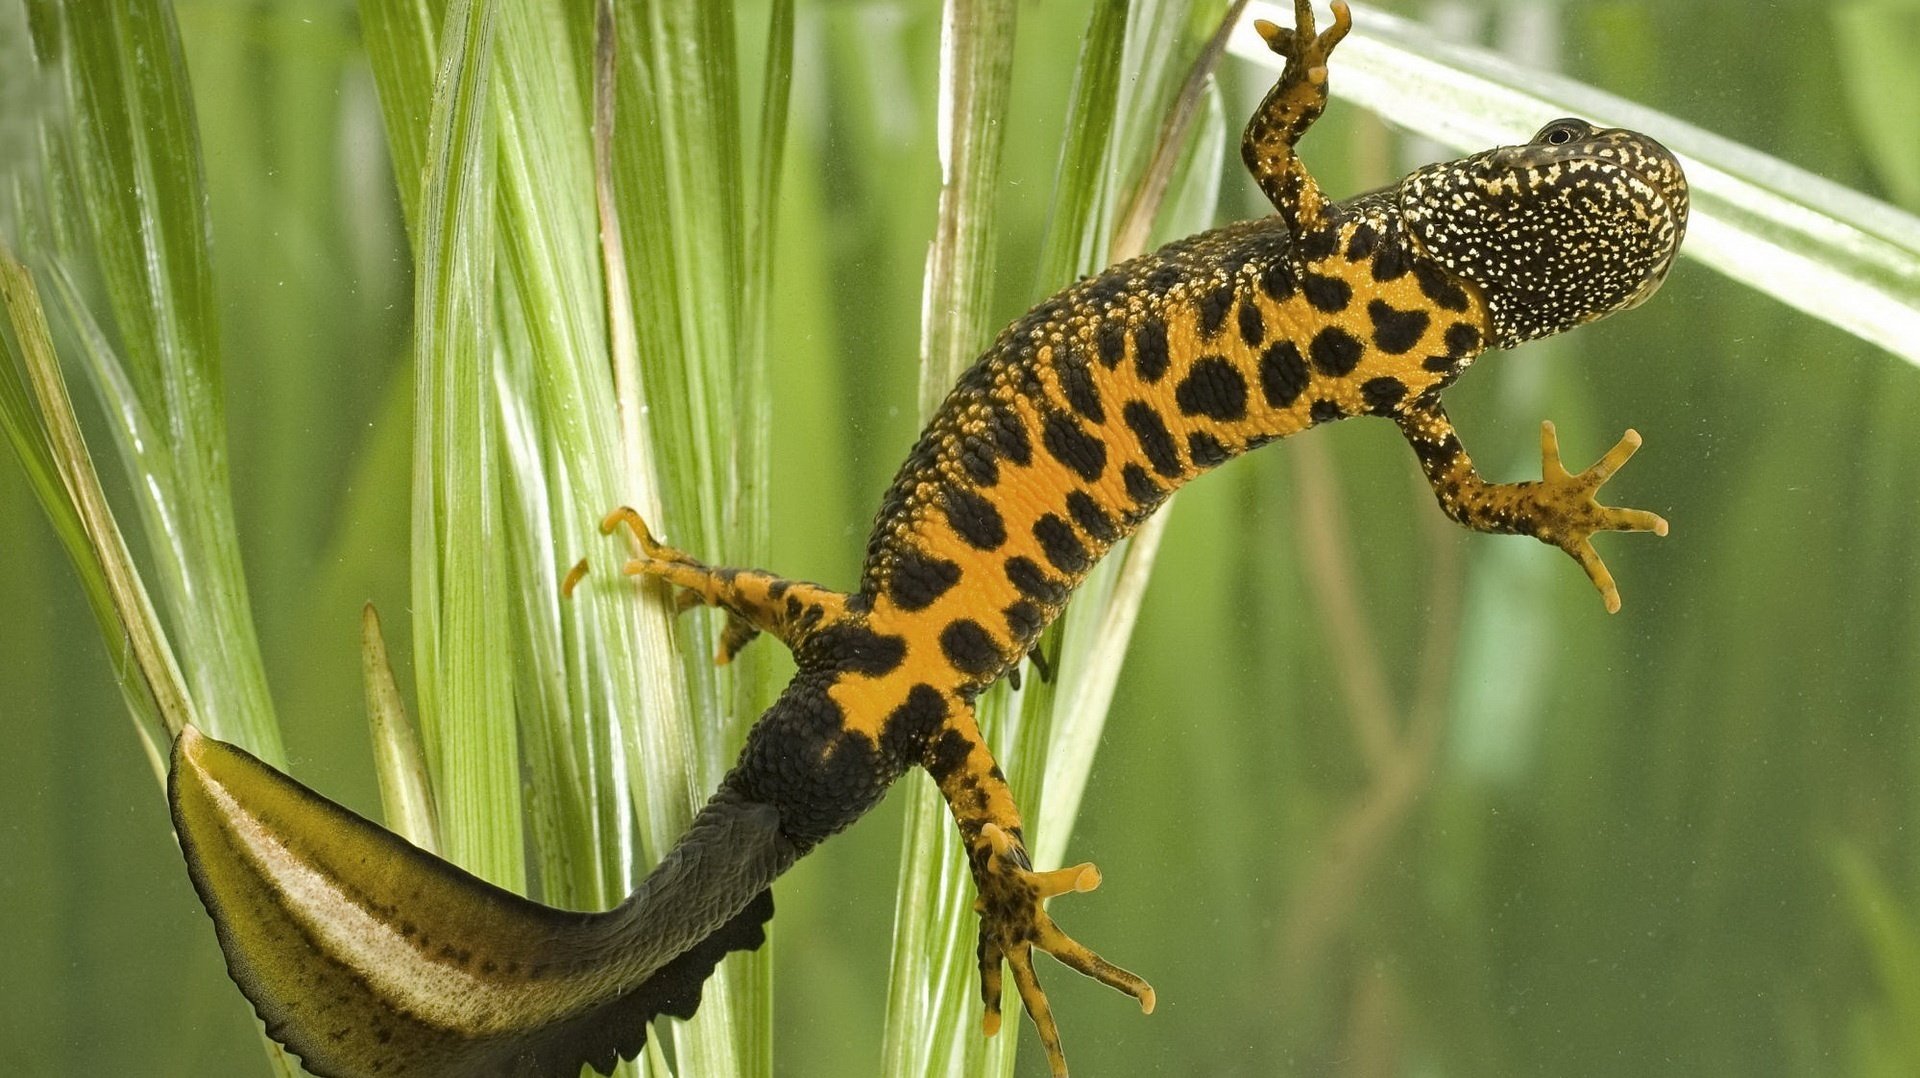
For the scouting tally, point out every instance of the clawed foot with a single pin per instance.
(661, 561)
(1568, 514)
(664, 562)
(1306, 52)
(650, 551)
(1013, 923)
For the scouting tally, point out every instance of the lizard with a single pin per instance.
(367, 956)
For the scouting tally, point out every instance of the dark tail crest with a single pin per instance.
(618, 1030)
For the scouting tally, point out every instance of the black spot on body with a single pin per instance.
(1329, 294)
(1150, 356)
(1145, 493)
(1213, 388)
(1161, 278)
(1390, 262)
(1433, 452)
(778, 589)
(1061, 546)
(1070, 444)
(1276, 279)
(1283, 373)
(1092, 519)
(947, 754)
(1396, 331)
(1010, 435)
(1111, 340)
(1206, 450)
(1334, 352)
(857, 649)
(1438, 363)
(977, 460)
(1033, 582)
(1214, 304)
(910, 728)
(1463, 339)
(1381, 394)
(1099, 292)
(1155, 440)
(1438, 287)
(1318, 244)
(974, 518)
(801, 759)
(1025, 620)
(917, 580)
(1325, 411)
(1076, 383)
(1253, 329)
(1360, 245)
(970, 648)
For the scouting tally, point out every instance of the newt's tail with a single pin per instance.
(367, 956)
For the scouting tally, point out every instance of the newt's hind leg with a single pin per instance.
(1013, 920)
(1291, 107)
(755, 601)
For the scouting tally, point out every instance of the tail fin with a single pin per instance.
(367, 956)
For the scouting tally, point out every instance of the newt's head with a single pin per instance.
(1579, 222)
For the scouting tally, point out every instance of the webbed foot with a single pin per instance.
(1013, 923)
(1568, 514)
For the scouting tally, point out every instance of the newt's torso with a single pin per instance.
(1073, 427)
(1088, 411)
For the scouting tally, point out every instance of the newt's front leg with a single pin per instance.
(755, 601)
(1013, 920)
(1295, 101)
(1558, 509)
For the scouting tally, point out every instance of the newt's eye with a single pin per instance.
(1561, 132)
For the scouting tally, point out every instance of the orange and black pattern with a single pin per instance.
(1090, 410)
(367, 956)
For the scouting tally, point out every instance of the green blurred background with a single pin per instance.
(1681, 840)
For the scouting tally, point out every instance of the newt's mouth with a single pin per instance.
(1660, 171)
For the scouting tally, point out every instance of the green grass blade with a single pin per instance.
(460, 602)
(403, 42)
(552, 339)
(1812, 244)
(680, 56)
(976, 66)
(51, 448)
(130, 152)
(748, 522)
(406, 792)
(928, 1030)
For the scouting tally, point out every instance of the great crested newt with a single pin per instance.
(368, 957)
